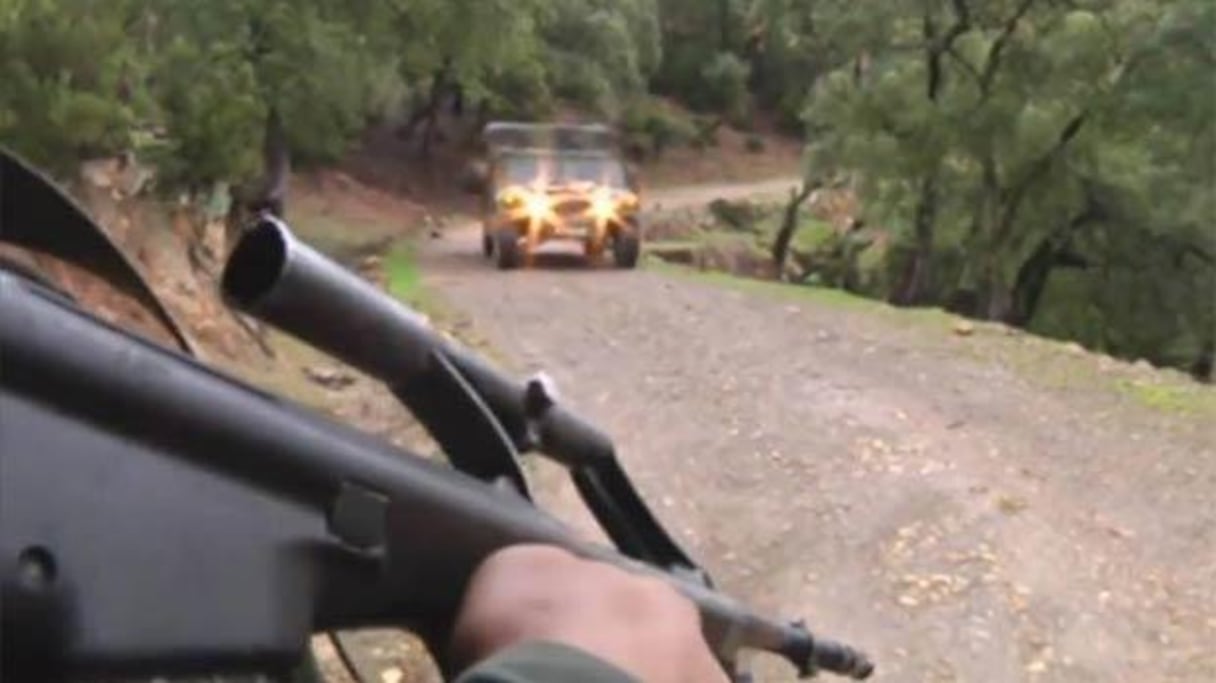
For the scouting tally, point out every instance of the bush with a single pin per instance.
(669, 130)
(724, 81)
(680, 74)
(60, 82)
(580, 81)
(519, 94)
(707, 131)
(212, 117)
(736, 215)
(659, 128)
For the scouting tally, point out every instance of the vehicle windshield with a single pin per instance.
(559, 169)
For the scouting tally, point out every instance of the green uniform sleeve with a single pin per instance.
(544, 662)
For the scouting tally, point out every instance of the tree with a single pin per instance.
(305, 70)
(600, 53)
(70, 79)
(695, 34)
(1019, 135)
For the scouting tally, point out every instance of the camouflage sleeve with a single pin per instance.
(544, 662)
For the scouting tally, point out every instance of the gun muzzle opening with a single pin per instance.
(256, 264)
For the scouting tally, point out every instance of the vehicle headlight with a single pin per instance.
(607, 205)
(510, 200)
(537, 205)
(603, 207)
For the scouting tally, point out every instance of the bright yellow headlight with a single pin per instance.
(603, 207)
(537, 205)
(510, 199)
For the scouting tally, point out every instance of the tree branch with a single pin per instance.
(1199, 253)
(998, 46)
(962, 22)
(962, 61)
(789, 225)
(1018, 193)
(941, 45)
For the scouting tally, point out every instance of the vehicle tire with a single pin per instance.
(506, 249)
(487, 244)
(626, 249)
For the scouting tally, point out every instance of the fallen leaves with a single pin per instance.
(1010, 504)
(930, 589)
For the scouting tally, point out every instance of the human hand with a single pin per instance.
(540, 593)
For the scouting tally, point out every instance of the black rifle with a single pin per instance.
(160, 518)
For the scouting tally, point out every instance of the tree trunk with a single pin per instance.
(968, 297)
(439, 87)
(481, 117)
(724, 26)
(1201, 369)
(276, 167)
(912, 288)
(429, 111)
(997, 294)
(1033, 276)
(789, 225)
(1054, 251)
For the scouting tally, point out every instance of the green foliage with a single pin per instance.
(313, 64)
(727, 55)
(794, 43)
(68, 76)
(702, 65)
(212, 117)
(82, 77)
(1027, 129)
(600, 53)
(724, 81)
(657, 126)
(1047, 163)
(523, 93)
(404, 278)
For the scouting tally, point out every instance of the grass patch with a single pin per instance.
(811, 234)
(1044, 362)
(404, 281)
(402, 274)
(1171, 398)
(827, 296)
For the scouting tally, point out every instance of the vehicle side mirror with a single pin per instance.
(475, 177)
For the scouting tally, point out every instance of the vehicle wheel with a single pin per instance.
(487, 245)
(625, 250)
(506, 249)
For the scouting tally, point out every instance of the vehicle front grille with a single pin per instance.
(571, 207)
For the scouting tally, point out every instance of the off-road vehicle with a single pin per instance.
(547, 182)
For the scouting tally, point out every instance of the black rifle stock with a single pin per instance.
(159, 517)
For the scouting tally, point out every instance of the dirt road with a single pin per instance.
(873, 474)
